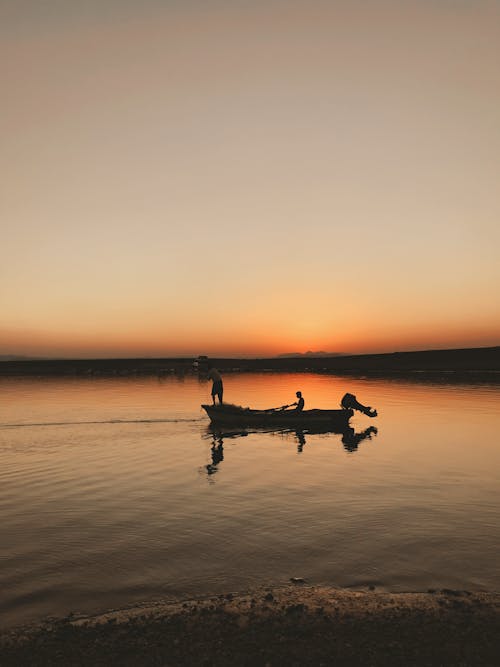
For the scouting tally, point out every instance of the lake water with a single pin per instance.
(114, 491)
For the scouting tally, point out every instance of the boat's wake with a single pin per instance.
(104, 421)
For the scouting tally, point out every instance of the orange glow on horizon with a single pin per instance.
(254, 179)
(230, 345)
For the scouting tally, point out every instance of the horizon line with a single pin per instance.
(285, 355)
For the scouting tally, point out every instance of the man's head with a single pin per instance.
(298, 394)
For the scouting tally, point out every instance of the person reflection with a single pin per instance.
(301, 440)
(217, 452)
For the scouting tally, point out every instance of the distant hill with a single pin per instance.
(309, 353)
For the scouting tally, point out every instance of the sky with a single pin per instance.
(233, 177)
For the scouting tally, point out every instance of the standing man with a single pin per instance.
(217, 388)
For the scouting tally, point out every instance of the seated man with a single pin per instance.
(299, 403)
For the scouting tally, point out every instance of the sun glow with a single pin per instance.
(257, 180)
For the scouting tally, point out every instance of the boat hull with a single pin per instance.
(229, 415)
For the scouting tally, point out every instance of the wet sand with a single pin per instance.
(292, 625)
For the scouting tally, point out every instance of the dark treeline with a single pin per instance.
(467, 362)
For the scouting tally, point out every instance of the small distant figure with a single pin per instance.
(300, 403)
(217, 388)
(201, 364)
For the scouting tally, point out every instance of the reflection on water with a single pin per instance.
(104, 498)
(349, 438)
(217, 453)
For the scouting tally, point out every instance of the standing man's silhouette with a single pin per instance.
(217, 388)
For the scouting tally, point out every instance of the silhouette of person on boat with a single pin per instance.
(297, 406)
(217, 386)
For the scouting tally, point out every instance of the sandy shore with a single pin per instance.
(292, 625)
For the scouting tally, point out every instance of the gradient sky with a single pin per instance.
(256, 177)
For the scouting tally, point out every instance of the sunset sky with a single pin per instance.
(232, 177)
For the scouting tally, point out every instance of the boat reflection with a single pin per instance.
(348, 436)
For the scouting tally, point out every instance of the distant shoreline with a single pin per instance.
(455, 364)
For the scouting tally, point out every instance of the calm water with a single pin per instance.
(114, 491)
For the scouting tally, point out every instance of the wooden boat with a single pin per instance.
(235, 415)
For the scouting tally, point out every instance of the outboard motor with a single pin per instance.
(349, 402)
